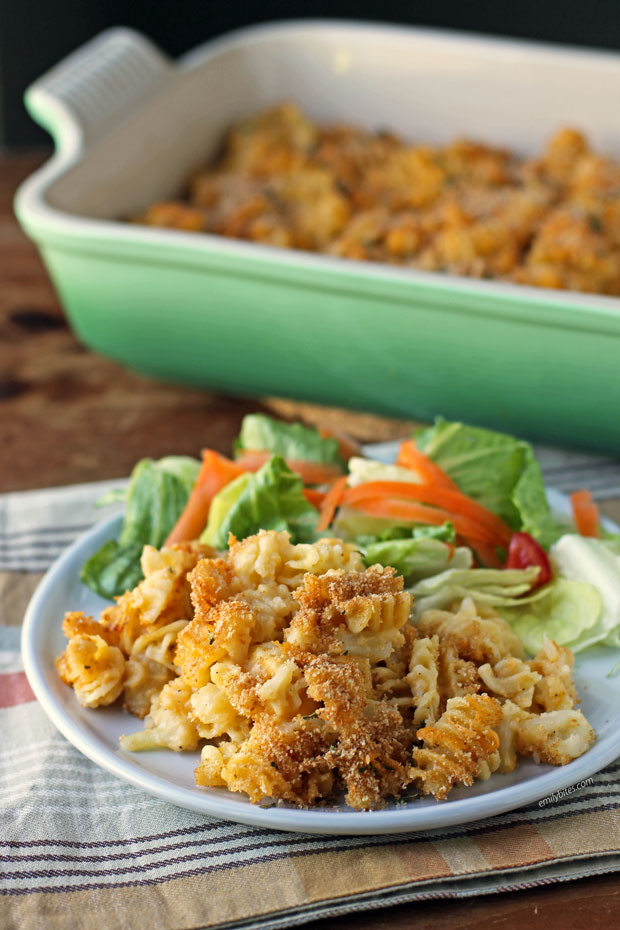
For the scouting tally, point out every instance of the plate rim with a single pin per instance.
(326, 822)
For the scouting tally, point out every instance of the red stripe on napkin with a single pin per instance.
(14, 689)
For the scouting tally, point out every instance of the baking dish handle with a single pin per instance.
(92, 89)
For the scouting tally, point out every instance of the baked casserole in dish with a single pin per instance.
(465, 208)
(259, 317)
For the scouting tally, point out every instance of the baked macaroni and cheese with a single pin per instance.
(466, 208)
(297, 671)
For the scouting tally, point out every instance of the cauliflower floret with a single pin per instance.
(170, 724)
(555, 689)
(214, 715)
(212, 761)
(555, 737)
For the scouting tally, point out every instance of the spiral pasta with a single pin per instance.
(297, 672)
(454, 748)
(510, 679)
(423, 679)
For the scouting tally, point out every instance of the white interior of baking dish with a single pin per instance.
(141, 124)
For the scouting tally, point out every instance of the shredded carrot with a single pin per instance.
(409, 456)
(215, 473)
(331, 503)
(314, 472)
(585, 513)
(310, 472)
(346, 445)
(453, 501)
(252, 460)
(314, 497)
(409, 512)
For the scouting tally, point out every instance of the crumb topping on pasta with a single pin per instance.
(298, 673)
(465, 208)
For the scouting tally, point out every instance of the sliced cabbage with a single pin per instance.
(495, 587)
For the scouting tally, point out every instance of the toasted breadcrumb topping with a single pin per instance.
(464, 208)
(298, 673)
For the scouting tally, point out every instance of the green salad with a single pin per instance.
(461, 512)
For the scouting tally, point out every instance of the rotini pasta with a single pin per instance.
(163, 596)
(144, 679)
(423, 679)
(271, 557)
(465, 208)
(93, 668)
(478, 635)
(510, 679)
(457, 676)
(214, 715)
(298, 673)
(455, 748)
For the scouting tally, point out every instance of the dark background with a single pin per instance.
(35, 34)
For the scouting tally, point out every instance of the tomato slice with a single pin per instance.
(525, 551)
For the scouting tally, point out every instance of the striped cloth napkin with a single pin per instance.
(81, 849)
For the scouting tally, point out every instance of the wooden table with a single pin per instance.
(68, 415)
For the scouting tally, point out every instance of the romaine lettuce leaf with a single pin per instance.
(156, 496)
(417, 558)
(290, 440)
(445, 532)
(221, 505)
(113, 569)
(272, 499)
(183, 467)
(496, 469)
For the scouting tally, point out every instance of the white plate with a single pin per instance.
(169, 775)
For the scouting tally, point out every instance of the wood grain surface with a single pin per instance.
(68, 415)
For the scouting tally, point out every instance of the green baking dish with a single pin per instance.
(242, 318)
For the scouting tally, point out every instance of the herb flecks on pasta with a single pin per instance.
(298, 674)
